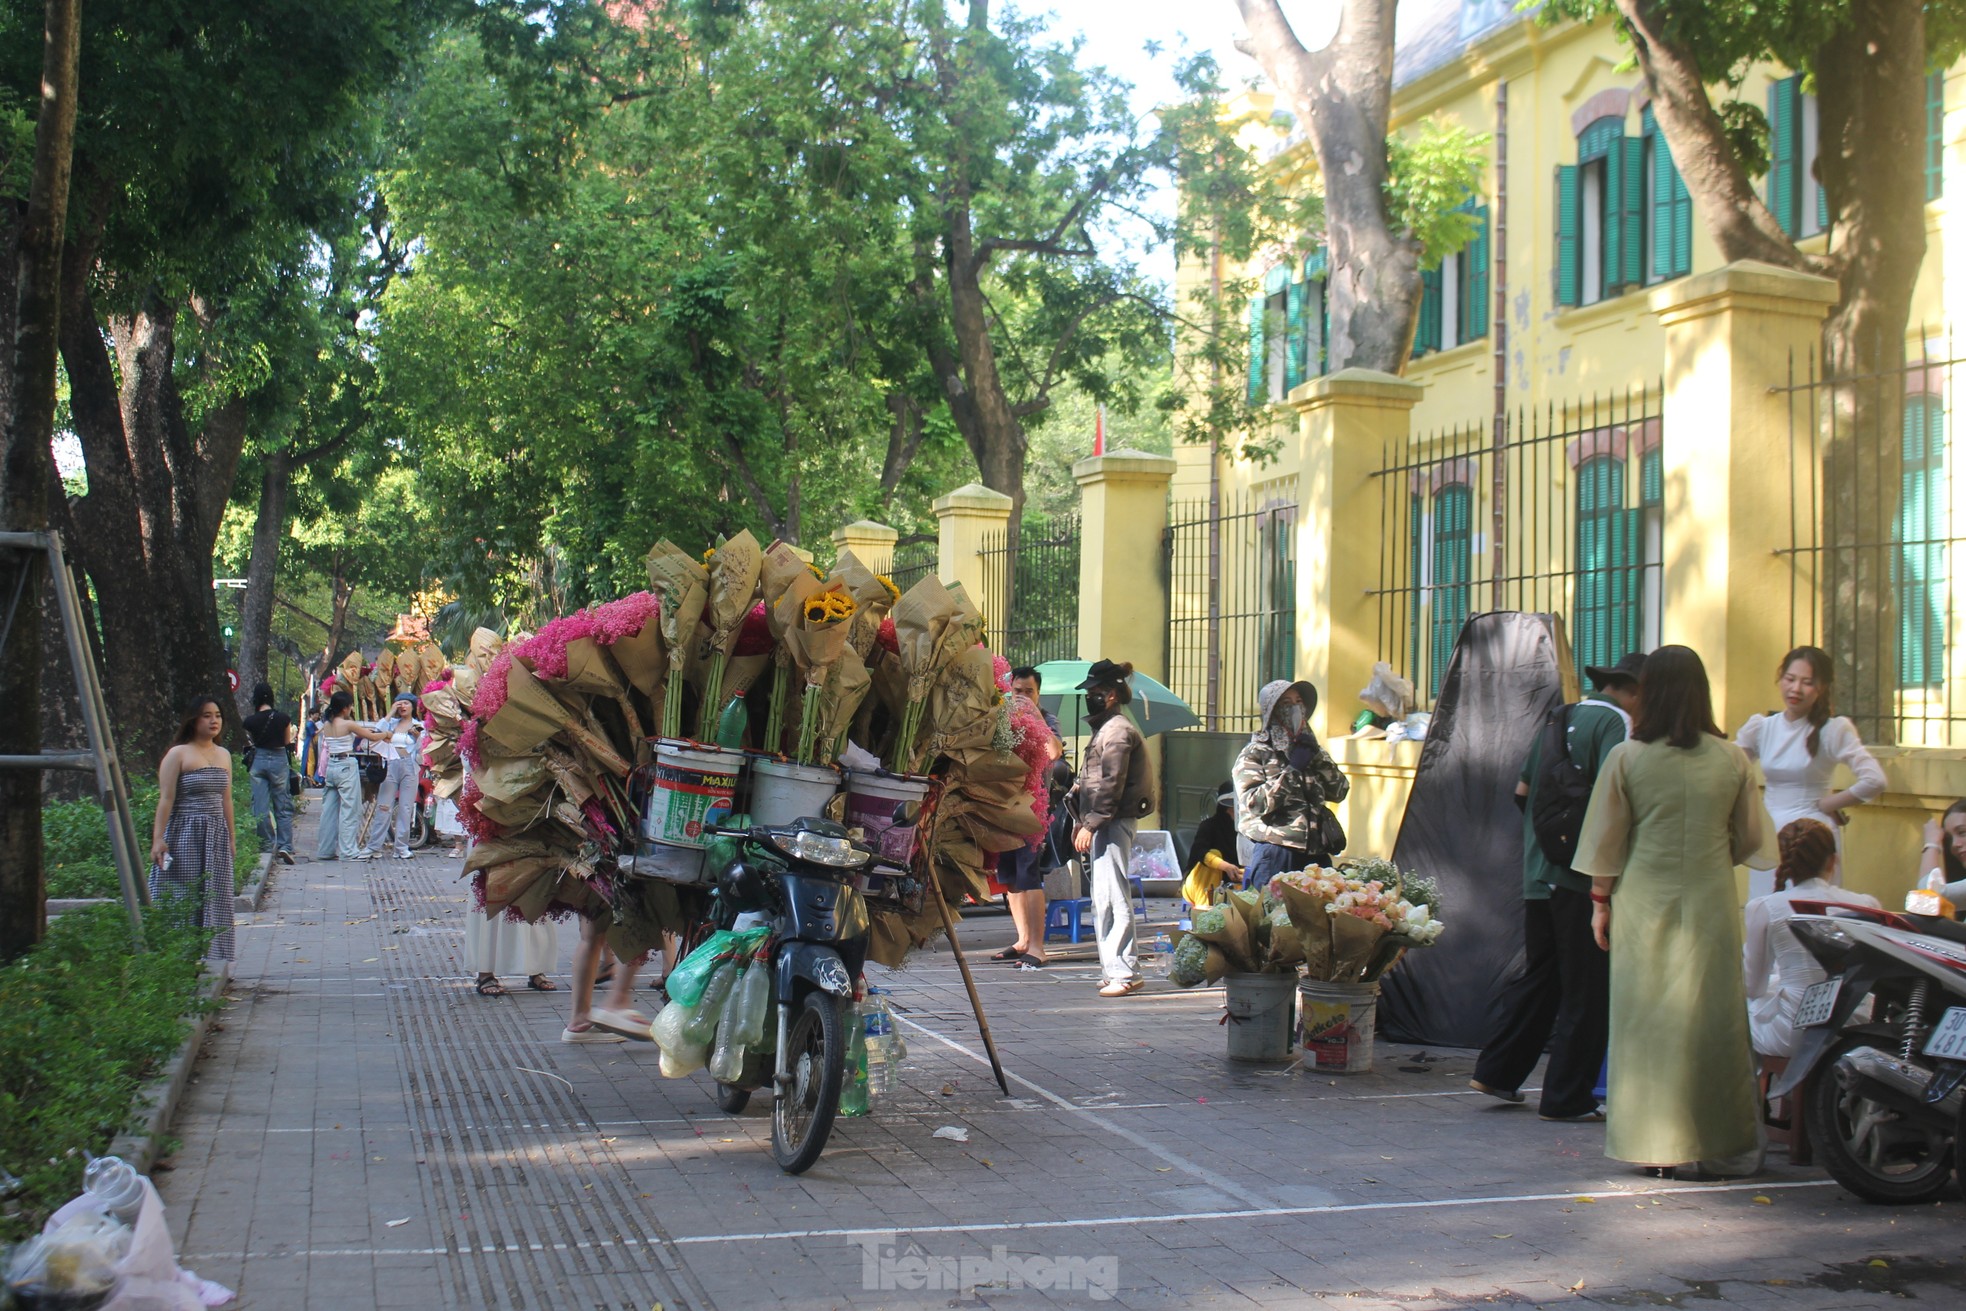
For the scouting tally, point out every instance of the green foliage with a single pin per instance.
(1431, 175)
(1746, 127)
(84, 1022)
(75, 838)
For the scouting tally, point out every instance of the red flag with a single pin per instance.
(1099, 430)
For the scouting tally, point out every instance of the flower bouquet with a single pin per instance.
(683, 588)
(1242, 935)
(818, 642)
(1356, 921)
(733, 565)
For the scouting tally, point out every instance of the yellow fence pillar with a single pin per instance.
(1122, 590)
(967, 518)
(1348, 421)
(1730, 335)
(871, 543)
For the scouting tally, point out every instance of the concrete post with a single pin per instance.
(871, 543)
(1122, 588)
(1348, 420)
(965, 519)
(1730, 335)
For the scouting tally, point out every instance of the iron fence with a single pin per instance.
(914, 560)
(1031, 592)
(1232, 612)
(1560, 511)
(1873, 495)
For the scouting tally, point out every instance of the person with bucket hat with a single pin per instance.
(1561, 1000)
(1284, 778)
(1115, 790)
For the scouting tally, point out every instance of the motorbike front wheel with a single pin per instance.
(802, 1113)
(1869, 1148)
(732, 1100)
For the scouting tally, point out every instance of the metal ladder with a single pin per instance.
(111, 786)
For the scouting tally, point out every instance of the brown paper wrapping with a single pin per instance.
(430, 664)
(508, 882)
(815, 645)
(733, 587)
(464, 685)
(922, 618)
(1353, 943)
(872, 597)
(495, 851)
(508, 778)
(531, 714)
(484, 645)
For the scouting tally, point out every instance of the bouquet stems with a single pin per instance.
(809, 723)
(781, 683)
(713, 690)
(904, 739)
(672, 704)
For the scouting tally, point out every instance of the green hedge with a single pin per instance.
(84, 1023)
(75, 838)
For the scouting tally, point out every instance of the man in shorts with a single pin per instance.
(1024, 869)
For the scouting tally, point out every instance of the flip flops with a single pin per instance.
(1010, 954)
(573, 1035)
(628, 1023)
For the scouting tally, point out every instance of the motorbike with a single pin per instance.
(1882, 1044)
(809, 881)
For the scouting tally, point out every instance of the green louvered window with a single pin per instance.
(1669, 208)
(1474, 279)
(1448, 597)
(1297, 317)
(1426, 336)
(1935, 134)
(1785, 153)
(1600, 218)
(1258, 357)
(1454, 293)
(1568, 271)
(1919, 572)
(1608, 570)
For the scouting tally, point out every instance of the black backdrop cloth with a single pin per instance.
(1461, 827)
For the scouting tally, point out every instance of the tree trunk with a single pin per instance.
(26, 473)
(262, 572)
(1343, 94)
(341, 593)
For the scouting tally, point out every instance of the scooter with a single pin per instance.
(1884, 1105)
(808, 880)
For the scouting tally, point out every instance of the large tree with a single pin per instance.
(1866, 63)
(32, 312)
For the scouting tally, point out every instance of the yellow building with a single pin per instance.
(1600, 422)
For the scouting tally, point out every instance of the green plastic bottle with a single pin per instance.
(853, 1095)
(734, 722)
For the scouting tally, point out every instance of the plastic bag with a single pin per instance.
(680, 1061)
(72, 1261)
(688, 980)
(669, 1022)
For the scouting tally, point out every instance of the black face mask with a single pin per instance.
(1098, 702)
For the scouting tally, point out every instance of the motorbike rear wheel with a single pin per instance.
(802, 1114)
(1867, 1147)
(731, 1100)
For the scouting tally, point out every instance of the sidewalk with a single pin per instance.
(367, 1131)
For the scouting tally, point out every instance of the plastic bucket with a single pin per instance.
(782, 791)
(1339, 1021)
(871, 800)
(695, 787)
(1262, 1016)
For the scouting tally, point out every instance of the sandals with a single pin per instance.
(1008, 954)
(628, 1023)
(540, 983)
(489, 986)
(605, 976)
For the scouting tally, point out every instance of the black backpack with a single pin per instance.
(1559, 794)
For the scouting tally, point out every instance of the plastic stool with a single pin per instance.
(1067, 919)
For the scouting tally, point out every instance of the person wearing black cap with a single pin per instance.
(1284, 777)
(269, 749)
(1115, 789)
(1561, 1000)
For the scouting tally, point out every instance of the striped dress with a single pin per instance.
(200, 846)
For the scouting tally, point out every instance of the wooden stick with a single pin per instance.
(962, 963)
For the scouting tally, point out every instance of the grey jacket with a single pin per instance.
(1116, 781)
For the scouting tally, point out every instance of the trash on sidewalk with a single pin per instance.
(952, 1133)
(86, 1252)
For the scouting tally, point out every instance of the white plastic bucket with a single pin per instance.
(1262, 1016)
(871, 800)
(695, 787)
(782, 791)
(1338, 1024)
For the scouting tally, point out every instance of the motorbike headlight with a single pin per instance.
(821, 849)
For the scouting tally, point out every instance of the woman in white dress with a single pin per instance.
(1945, 851)
(1776, 966)
(1799, 748)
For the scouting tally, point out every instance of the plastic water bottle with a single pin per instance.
(753, 1002)
(702, 1026)
(734, 721)
(853, 1096)
(877, 1029)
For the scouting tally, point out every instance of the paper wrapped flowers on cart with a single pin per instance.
(1350, 924)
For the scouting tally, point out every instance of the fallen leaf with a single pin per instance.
(1501, 1235)
(397, 1224)
(948, 1090)
(1587, 1199)
(1880, 1263)
(1162, 1169)
(1759, 1200)
(1577, 1287)
(369, 960)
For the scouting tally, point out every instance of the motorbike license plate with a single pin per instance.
(1818, 1000)
(1948, 1040)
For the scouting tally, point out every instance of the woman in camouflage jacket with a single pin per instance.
(1283, 777)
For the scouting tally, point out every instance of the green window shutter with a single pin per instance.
(1453, 522)
(1258, 357)
(1785, 153)
(1605, 617)
(1427, 336)
(1568, 219)
(1918, 573)
(1613, 263)
(1935, 134)
(1671, 220)
(1631, 218)
(1317, 264)
(1652, 478)
(1474, 306)
(1293, 360)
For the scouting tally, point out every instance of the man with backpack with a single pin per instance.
(1561, 998)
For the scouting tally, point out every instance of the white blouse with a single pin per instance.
(1777, 968)
(1796, 780)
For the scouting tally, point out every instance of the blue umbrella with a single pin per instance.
(1154, 709)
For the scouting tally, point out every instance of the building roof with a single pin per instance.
(1429, 33)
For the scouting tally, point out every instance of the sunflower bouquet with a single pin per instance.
(817, 643)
